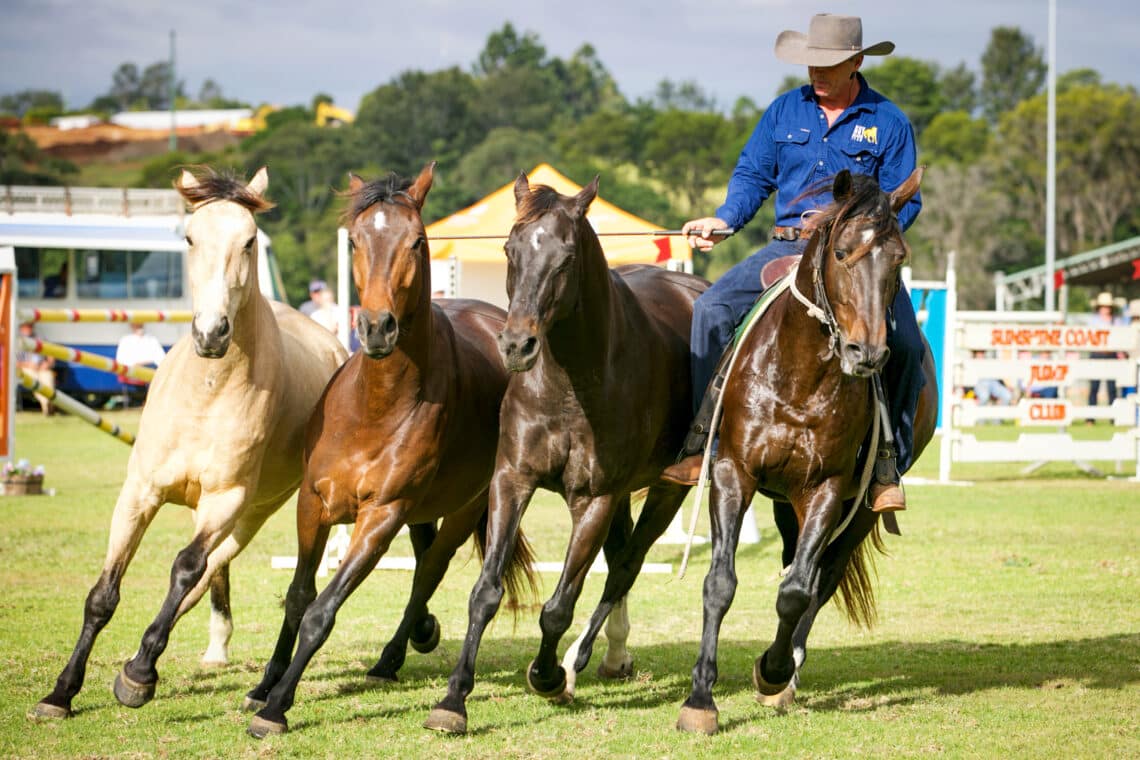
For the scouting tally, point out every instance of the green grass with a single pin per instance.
(1009, 626)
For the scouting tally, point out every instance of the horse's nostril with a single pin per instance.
(388, 325)
(529, 345)
(224, 327)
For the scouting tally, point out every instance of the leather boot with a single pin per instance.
(886, 492)
(686, 472)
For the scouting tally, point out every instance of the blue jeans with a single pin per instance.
(720, 309)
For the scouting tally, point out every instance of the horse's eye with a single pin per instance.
(420, 241)
(249, 243)
(840, 254)
(189, 242)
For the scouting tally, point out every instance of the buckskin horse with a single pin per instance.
(221, 432)
(404, 435)
(598, 405)
(797, 411)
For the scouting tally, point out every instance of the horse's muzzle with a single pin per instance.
(212, 341)
(519, 350)
(861, 360)
(378, 332)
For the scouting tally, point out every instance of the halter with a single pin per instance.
(825, 315)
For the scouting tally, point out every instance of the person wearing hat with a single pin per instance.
(807, 135)
(314, 302)
(1104, 316)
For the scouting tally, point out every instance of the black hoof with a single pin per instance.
(259, 727)
(554, 690)
(427, 643)
(131, 693)
(48, 711)
(446, 721)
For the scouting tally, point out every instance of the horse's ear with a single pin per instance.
(904, 192)
(259, 183)
(419, 189)
(522, 188)
(186, 180)
(354, 183)
(841, 188)
(585, 197)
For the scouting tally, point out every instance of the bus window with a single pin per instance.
(31, 266)
(122, 275)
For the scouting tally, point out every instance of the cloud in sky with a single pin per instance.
(287, 51)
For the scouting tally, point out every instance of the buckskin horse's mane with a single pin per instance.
(216, 186)
(385, 190)
(535, 204)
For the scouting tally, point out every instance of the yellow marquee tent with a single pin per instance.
(477, 268)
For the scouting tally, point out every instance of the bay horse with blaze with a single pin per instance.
(597, 406)
(798, 409)
(221, 432)
(404, 435)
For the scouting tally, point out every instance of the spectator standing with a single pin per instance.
(1105, 306)
(326, 312)
(315, 287)
(40, 367)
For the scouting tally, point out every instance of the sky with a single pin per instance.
(286, 51)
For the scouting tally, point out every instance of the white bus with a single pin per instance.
(99, 248)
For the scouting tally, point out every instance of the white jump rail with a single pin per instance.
(1037, 349)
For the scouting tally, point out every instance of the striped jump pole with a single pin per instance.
(71, 406)
(104, 315)
(87, 359)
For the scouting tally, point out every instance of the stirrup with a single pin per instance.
(702, 422)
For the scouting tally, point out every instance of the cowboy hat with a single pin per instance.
(1133, 309)
(1104, 298)
(831, 40)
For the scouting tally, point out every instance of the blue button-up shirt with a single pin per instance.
(793, 147)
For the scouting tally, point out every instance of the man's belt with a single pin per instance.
(790, 233)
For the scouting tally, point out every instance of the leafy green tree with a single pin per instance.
(20, 103)
(607, 137)
(912, 85)
(419, 117)
(22, 162)
(154, 86)
(587, 86)
(959, 89)
(125, 83)
(499, 159)
(791, 82)
(1013, 69)
(506, 49)
(683, 96)
(953, 137)
(1078, 78)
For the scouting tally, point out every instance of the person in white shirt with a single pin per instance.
(136, 348)
(325, 314)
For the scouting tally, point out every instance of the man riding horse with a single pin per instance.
(807, 135)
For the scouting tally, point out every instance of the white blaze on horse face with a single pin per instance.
(379, 221)
(536, 237)
(868, 236)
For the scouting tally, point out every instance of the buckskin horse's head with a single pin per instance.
(390, 259)
(222, 239)
(856, 258)
(544, 267)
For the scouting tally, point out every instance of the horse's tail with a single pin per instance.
(518, 576)
(857, 587)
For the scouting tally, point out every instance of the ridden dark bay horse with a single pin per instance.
(221, 432)
(405, 434)
(598, 405)
(797, 410)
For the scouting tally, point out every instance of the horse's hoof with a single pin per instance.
(762, 685)
(432, 641)
(781, 701)
(131, 693)
(259, 727)
(252, 704)
(446, 721)
(381, 678)
(697, 721)
(48, 711)
(623, 671)
(558, 693)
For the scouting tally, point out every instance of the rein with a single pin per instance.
(825, 314)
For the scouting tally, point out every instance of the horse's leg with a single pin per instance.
(831, 570)
(774, 669)
(189, 577)
(625, 561)
(591, 522)
(732, 492)
(221, 619)
(136, 507)
(509, 495)
(431, 565)
(376, 526)
(312, 538)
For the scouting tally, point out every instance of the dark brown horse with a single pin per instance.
(405, 434)
(598, 406)
(798, 408)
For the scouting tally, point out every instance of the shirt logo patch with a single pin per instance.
(861, 133)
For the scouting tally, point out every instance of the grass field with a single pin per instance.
(1009, 626)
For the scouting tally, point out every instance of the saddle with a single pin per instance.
(775, 270)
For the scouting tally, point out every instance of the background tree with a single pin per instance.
(125, 86)
(910, 84)
(1013, 69)
(20, 103)
(959, 89)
